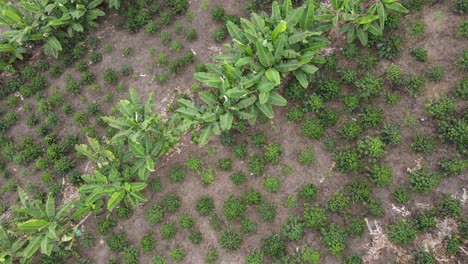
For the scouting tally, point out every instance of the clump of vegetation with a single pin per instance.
(450, 206)
(273, 245)
(234, 208)
(230, 240)
(308, 191)
(348, 160)
(423, 180)
(205, 205)
(334, 238)
(380, 174)
(315, 217)
(272, 153)
(266, 211)
(338, 202)
(402, 232)
(423, 144)
(271, 183)
(401, 195)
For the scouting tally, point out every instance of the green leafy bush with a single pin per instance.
(453, 166)
(371, 116)
(123, 212)
(154, 214)
(254, 257)
(353, 259)
(390, 48)
(256, 164)
(394, 74)
(350, 50)
(273, 245)
(219, 35)
(248, 226)
(334, 239)
(211, 256)
(305, 156)
(313, 104)
(117, 242)
(205, 205)
(391, 134)
(369, 87)
(452, 244)
(351, 102)
(266, 211)
(105, 225)
(272, 153)
(348, 160)
(423, 257)
(87, 240)
(355, 226)
(258, 139)
(461, 89)
(208, 175)
(294, 91)
(442, 107)
(186, 221)
(271, 183)
(195, 236)
(238, 178)
(240, 151)
(147, 242)
(234, 208)
(328, 117)
(308, 191)
(423, 144)
(315, 217)
(110, 76)
(401, 195)
(312, 128)
(414, 85)
(347, 75)
(350, 130)
(329, 89)
(230, 240)
(436, 73)
(168, 230)
(425, 220)
(359, 191)
(367, 61)
(178, 253)
(402, 232)
(450, 206)
(293, 228)
(176, 174)
(155, 184)
(171, 202)
(419, 54)
(380, 174)
(218, 13)
(423, 180)
(338, 202)
(227, 138)
(252, 197)
(225, 164)
(295, 114)
(371, 147)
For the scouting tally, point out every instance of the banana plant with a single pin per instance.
(10, 247)
(360, 17)
(145, 133)
(41, 228)
(284, 43)
(45, 20)
(101, 155)
(114, 185)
